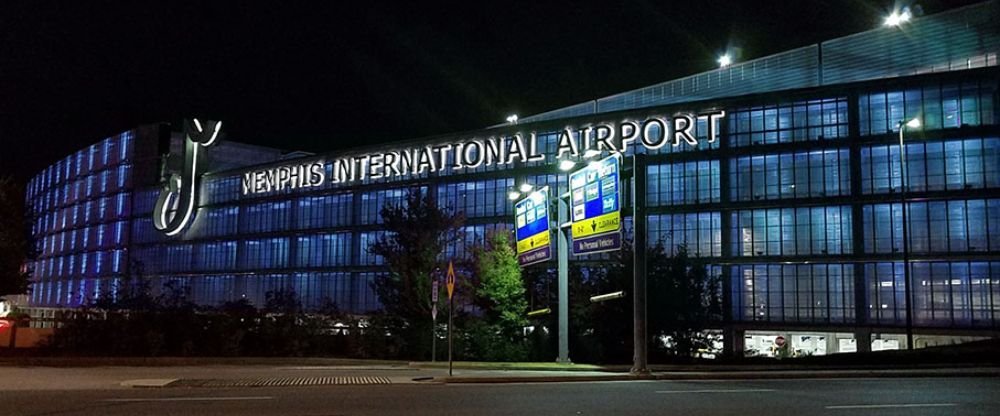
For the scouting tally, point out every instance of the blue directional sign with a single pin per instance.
(595, 199)
(531, 222)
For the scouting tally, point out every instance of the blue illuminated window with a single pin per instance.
(324, 211)
(793, 293)
(932, 166)
(373, 202)
(701, 232)
(785, 123)
(265, 217)
(683, 183)
(270, 253)
(935, 226)
(323, 250)
(792, 231)
(479, 198)
(938, 107)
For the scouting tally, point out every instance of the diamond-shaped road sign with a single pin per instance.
(450, 281)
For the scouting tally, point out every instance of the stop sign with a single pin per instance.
(779, 341)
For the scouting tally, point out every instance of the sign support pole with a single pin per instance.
(434, 338)
(450, 325)
(450, 283)
(562, 217)
(434, 318)
(639, 363)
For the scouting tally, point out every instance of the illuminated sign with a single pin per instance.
(595, 201)
(179, 192)
(612, 137)
(653, 133)
(284, 177)
(531, 223)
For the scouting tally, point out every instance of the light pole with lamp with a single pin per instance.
(562, 256)
(912, 123)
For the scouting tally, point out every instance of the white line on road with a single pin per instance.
(714, 391)
(192, 399)
(891, 406)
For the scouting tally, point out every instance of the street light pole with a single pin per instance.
(908, 291)
(639, 336)
(562, 254)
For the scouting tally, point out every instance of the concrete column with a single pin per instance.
(733, 342)
(863, 337)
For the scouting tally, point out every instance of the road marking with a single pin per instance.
(891, 406)
(192, 399)
(715, 391)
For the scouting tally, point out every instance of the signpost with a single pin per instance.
(434, 318)
(595, 198)
(450, 283)
(531, 220)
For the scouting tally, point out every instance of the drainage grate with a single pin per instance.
(281, 382)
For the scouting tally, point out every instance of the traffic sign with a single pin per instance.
(434, 291)
(450, 282)
(595, 200)
(779, 341)
(532, 229)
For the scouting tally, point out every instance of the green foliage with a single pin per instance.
(500, 296)
(141, 324)
(16, 245)
(416, 234)
(501, 289)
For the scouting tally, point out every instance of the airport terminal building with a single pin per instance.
(783, 173)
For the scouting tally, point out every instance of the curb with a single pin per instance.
(149, 383)
(770, 375)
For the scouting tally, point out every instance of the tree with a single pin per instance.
(417, 232)
(16, 244)
(683, 301)
(688, 300)
(500, 296)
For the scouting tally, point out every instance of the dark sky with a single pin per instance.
(328, 75)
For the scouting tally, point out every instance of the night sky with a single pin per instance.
(322, 76)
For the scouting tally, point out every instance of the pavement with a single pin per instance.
(284, 373)
(909, 396)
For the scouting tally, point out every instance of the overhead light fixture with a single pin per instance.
(591, 153)
(565, 165)
(513, 195)
(527, 187)
(512, 119)
(897, 18)
(725, 60)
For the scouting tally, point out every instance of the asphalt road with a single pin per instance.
(894, 396)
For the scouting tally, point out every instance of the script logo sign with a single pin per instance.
(181, 190)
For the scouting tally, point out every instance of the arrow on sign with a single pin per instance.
(593, 225)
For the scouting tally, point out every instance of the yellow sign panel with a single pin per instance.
(601, 224)
(450, 280)
(538, 240)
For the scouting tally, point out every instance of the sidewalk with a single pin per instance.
(118, 373)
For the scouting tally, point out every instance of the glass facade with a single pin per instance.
(82, 207)
(797, 206)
